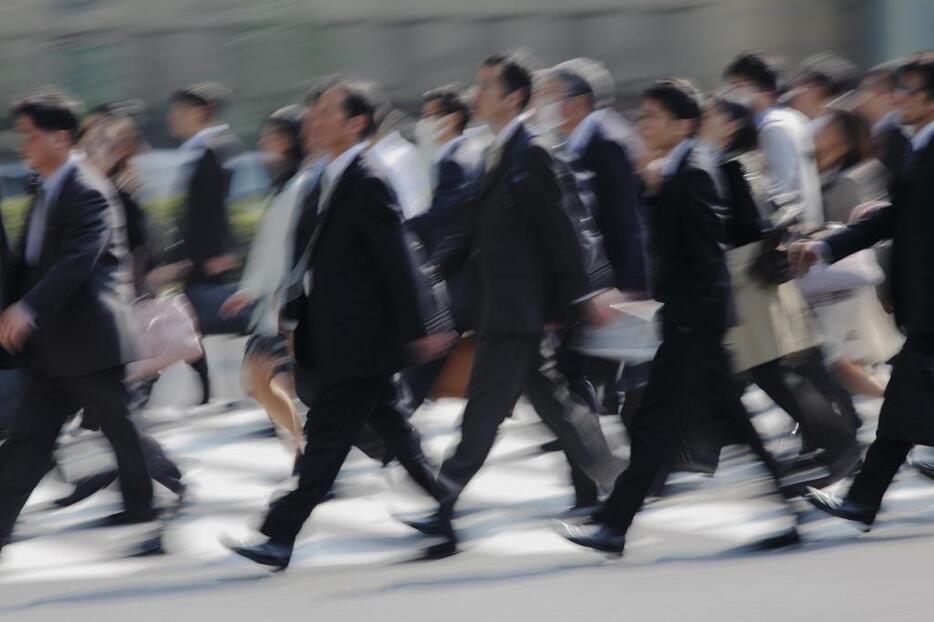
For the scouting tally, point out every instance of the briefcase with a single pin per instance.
(455, 376)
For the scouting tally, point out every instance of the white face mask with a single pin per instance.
(427, 136)
(550, 117)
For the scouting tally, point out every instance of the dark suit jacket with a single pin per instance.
(363, 306)
(81, 287)
(620, 213)
(7, 262)
(454, 188)
(909, 223)
(524, 244)
(689, 266)
(744, 222)
(204, 227)
(892, 148)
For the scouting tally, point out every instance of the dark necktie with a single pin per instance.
(36, 227)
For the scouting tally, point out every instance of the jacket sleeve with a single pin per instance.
(700, 224)
(619, 216)
(381, 225)
(452, 190)
(875, 227)
(541, 203)
(86, 233)
(206, 230)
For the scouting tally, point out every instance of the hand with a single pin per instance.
(167, 273)
(652, 176)
(222, 263)
(15, 327)
(431, 347)
(598, 311)
(236, 303)
(802, 255)
(864, 209)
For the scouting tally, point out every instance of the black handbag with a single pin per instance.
(772, 267)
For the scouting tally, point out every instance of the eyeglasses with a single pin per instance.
(909, 91)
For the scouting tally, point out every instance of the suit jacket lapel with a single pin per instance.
(490, 179)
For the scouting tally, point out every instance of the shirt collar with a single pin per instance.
(759, 117)
(889, 119)
(507, 132)
(673, 160)
(584, 131)
(336, 167)
(198, 140)
(449, 148)
(53, 183)
(922, 137)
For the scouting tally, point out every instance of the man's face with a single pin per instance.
(331, 123)
(310, 139)
(491, 101)
(875, 98)
(916, 107)
(660, 130)
(38, 148)
(183, 120)
(809, 99)
(446, 124)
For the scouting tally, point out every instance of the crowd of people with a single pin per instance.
(777, 230)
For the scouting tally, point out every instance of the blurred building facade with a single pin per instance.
(271, 51)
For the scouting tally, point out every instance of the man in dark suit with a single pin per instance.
(878, 102)
(203, 255)
(690, 378)
(526, 253)
(597, 141)
(72, 323)
(359, 318)
(905, 419)
(440, 134)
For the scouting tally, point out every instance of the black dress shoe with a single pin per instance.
(267, 554)
(550, 447)
(841, 508)
(437, 524)
(594, 536)
(785, 539)
(128, 518)
(924, 468)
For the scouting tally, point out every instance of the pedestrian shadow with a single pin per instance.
(125, 593)
(806, 548)
(467, 580)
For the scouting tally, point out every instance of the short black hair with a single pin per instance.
(679, 97)
(288, 121)
(451, 100)
(755, 68)
(921, 65)
(361, 98)
(50, 111)
(856, 134)
(575, 85)
(832, 74)
(746, 137)
(885, 74)
(515, 76)
(210, 95)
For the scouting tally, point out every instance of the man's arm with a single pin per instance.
(697, 205)
(452, 190)
(86, 233)
(619, 218)
(381, 225)
(207, 229)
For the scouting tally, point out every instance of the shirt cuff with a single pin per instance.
(30, 313)
(590, 295)
(823, 252)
